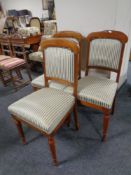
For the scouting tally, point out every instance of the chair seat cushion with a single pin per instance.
(36, 56)
(11, 63)
(44, 109)
(4, 57)
(98, 91)
(39, 82)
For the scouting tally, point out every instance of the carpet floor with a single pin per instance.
(79, 152)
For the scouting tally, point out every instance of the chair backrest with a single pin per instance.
(61, 61)
(49, 27)
(5, 44)
(35, 22)
(16, 23)
(22, 21)
(9, 24)
(18, 45)
(105, 51)
(77, 37)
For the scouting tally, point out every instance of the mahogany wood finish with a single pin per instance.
(60, 43)
(107, 34)
(75, 35)
(33, 40)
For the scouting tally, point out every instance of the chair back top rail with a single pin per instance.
(69, 34)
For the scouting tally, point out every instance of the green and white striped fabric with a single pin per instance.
(44, 109)
(95, 90)
(98, 91)
(39, 82)
(59, 63)
(105, 52)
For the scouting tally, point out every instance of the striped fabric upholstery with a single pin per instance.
(11, 63)
(39, 82)
(44, 109)
(59, 63)
(36, 56)
(105, 52)
(4, 57)
(98, 91)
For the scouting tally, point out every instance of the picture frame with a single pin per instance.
(45, 4)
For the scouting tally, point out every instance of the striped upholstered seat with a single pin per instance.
(98, 91)
(4, 57)
(8, 64)
(44, 108)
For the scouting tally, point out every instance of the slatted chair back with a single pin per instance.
(105, 51)
(61, 61)
(18, 46)
(77, 37)
(5, 44)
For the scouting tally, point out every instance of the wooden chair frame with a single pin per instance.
(9, 41)
(18, 41)
(73, 47)
(75, 35)
(108, 34)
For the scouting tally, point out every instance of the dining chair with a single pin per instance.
(39, 82)
(105, 52)
(13, 63)
(48, 109)
(6, 53)
(35, 22)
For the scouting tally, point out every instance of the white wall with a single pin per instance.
(87, 16)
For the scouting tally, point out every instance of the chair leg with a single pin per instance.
(2, 79)
(68, 120)
(20, 130)
(18, 72)
(13, 81)
(51, 143)
(76, 117)
(105, 125)
(34, 88)
(28, 71)
(113, 106)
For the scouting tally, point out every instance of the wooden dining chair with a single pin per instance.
(39, 82)
(48, 109)
(14, 63)
(105, 52)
